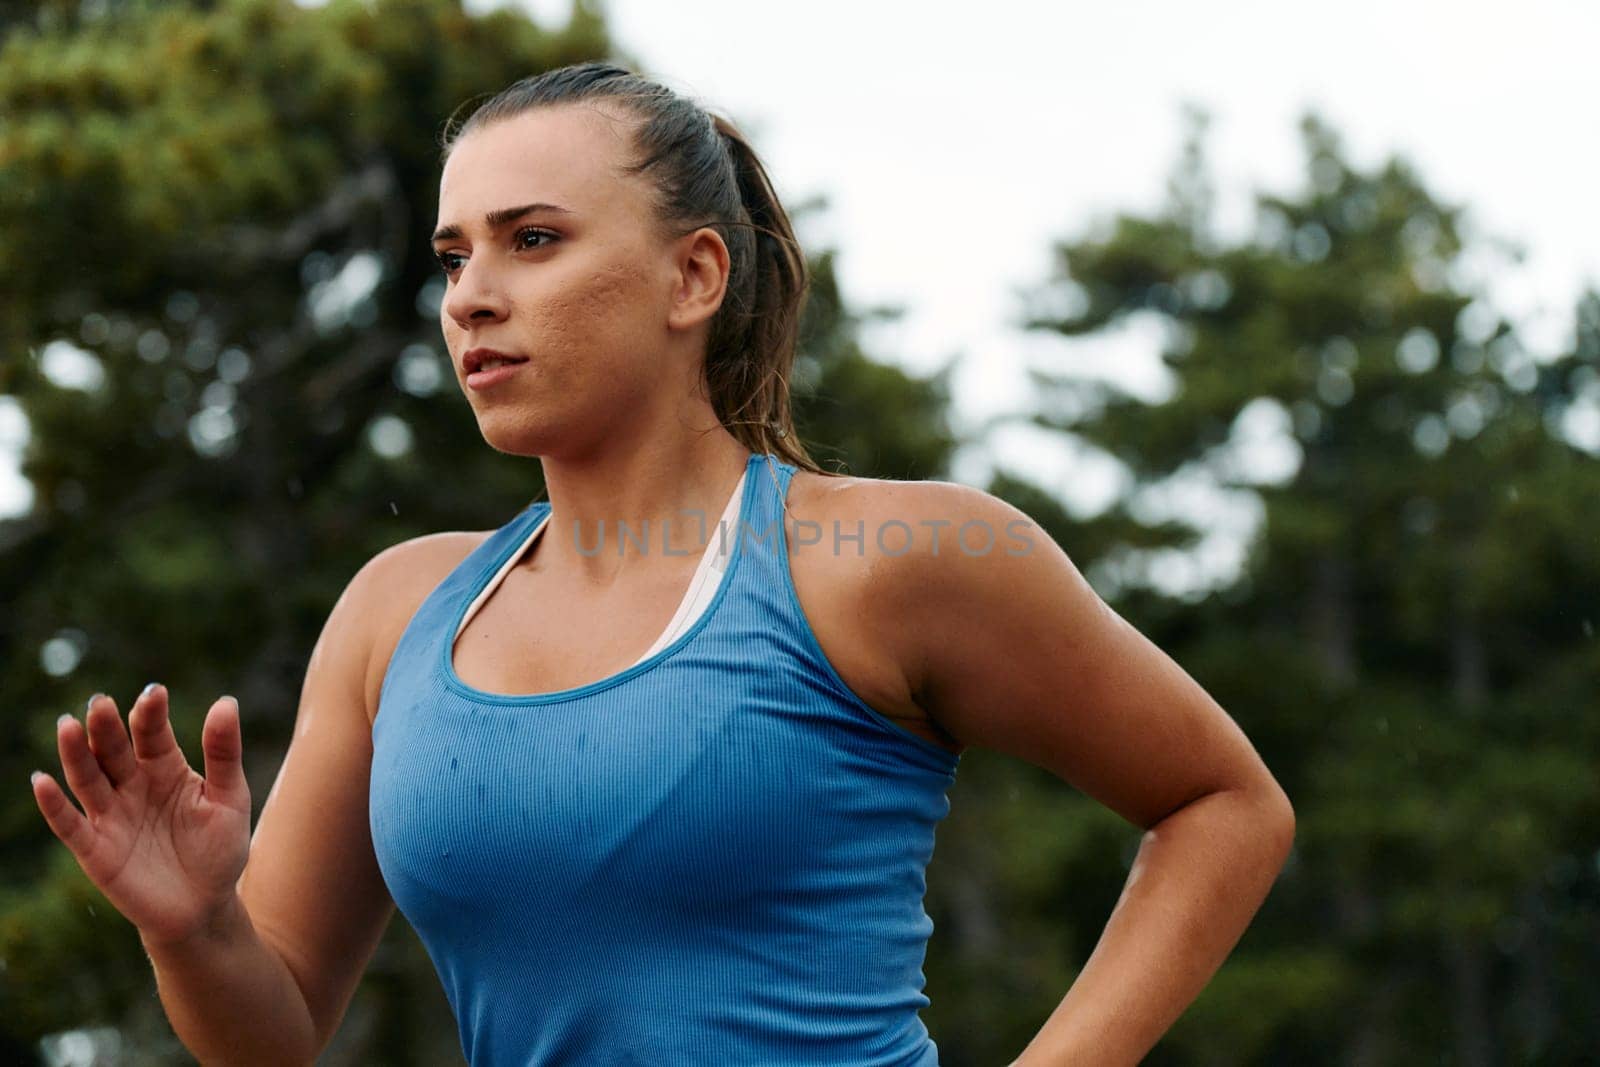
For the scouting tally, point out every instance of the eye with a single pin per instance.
(449, 262)
(526, 231)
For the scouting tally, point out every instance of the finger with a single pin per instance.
(151, 729)
(109, 741)
(82, 771)
(64, 820)
(222, 743)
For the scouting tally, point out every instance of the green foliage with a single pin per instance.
(1420, 593)
(1411, 645)
(866, 416)
(180, 184)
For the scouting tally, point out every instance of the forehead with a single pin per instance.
(569, 155)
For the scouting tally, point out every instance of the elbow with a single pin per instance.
(1279, 819)
(1271, 811)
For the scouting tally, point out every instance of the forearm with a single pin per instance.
(1199, 877)
(231, 998)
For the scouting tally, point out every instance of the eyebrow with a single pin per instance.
(498, 218)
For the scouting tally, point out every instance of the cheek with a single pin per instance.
(602, 316)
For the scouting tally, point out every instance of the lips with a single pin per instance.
(487, 359)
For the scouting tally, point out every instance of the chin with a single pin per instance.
(538, 429)
(514, 435)
(516, 445)
(521, 433)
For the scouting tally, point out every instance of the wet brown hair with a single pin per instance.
(703, 173)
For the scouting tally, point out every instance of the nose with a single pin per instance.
(475, 298)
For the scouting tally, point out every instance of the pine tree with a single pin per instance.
(1410, 643)
(220, 322)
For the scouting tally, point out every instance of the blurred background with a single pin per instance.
(1283, 320)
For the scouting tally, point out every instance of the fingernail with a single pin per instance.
(146, 690)
(65, 716)
(33, 779)
(91, 701)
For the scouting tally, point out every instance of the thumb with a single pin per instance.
(223, 747)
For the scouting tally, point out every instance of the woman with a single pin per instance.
(662, 803)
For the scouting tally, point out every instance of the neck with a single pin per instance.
(667, 495)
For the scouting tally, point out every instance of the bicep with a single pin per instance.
(312, 886)
(1021, 655)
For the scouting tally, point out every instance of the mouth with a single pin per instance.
(481, 359)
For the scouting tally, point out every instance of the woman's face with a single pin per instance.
(581, 290)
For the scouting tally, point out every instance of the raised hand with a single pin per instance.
(165, 845)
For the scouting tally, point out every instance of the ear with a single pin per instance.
(701, 278)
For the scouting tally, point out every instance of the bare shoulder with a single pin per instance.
(925, 502)
(902, 530)
(393, 584)
(1006, 645)
(865, 554)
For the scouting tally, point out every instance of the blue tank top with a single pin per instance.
(715, 856)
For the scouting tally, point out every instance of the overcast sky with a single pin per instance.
(956, 147)
(957, 141)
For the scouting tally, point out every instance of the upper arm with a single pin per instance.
(311, 885)
(1011, 649)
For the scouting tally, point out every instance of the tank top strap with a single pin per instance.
(430, 624)
(764, 590)
(762, 527)
(473, 572)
